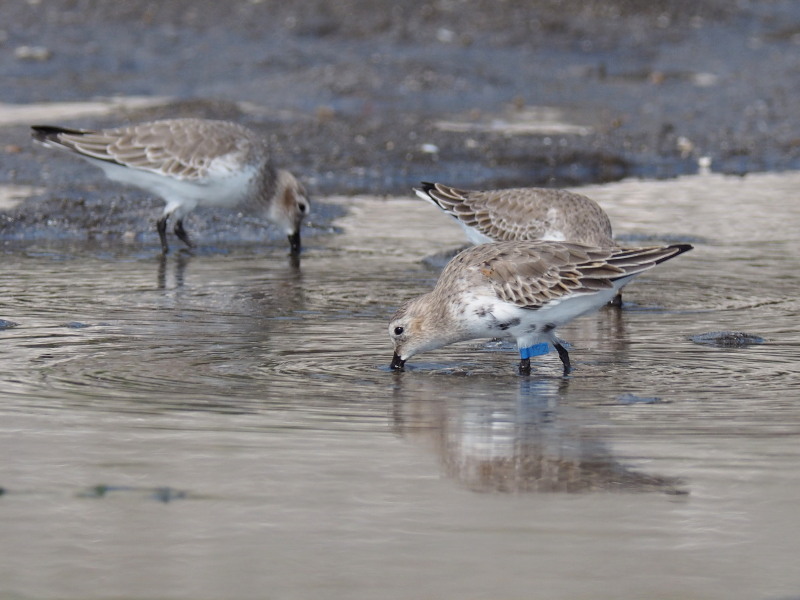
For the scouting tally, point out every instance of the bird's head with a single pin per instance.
(289, 207)
(415, 328)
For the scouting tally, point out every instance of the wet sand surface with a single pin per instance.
(224, 424)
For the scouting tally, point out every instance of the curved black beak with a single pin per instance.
(397, 362)
(294, 242)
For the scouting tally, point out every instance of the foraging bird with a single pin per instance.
(522, 214)
(190, 163)
(519, 290)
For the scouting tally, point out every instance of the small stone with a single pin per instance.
(445, 35)
(33, 53)
(727, 339)
(429, 148)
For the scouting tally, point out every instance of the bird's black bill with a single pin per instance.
(397, 362)
(294, 242)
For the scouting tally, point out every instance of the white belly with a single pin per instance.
(491, 317)
(225, 191)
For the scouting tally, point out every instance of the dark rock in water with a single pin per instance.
(7, 324)
(727, 339)
(162, 494)
(76, 325)
(99, 491)
(167, 494)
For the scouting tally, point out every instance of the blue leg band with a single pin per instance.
(535, 350)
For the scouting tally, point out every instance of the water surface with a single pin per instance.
(224, 425)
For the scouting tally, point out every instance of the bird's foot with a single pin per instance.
(525, 366)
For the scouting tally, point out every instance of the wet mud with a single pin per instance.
(365, 97)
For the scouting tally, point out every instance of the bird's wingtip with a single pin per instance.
(44, 133)
(424, 191)
(50, 133)
(680, 249)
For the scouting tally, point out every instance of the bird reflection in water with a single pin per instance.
(184, 256)
(494, 439)
(181, 261)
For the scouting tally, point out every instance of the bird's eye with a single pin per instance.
(398, 330)
(303, 207)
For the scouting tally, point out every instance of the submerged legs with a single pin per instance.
(537, 349)
(525, 366)
(181, 233)
(161, 226)
(564, 356)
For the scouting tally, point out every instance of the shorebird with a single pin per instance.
(522, 214)
(190, 163)
(518, 290)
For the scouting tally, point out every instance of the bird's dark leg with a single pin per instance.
(525, 366)
(525, 354)
(161, 226)
(564, 356)
(181, 233)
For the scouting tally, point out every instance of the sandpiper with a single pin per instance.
(190, 163)
(518, 290)
(522, 214)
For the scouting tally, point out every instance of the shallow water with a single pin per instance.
(225, 425)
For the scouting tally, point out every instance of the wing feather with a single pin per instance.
(181, 148)
(531, 274)
(523, 213)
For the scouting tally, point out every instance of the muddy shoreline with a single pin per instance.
(367, 97)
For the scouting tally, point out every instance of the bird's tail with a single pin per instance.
(49, 134)
(635, 260)
(445, 197)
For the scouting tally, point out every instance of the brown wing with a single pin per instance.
(524, 213)
(457, 204)
(182, 148)
(531, 274)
